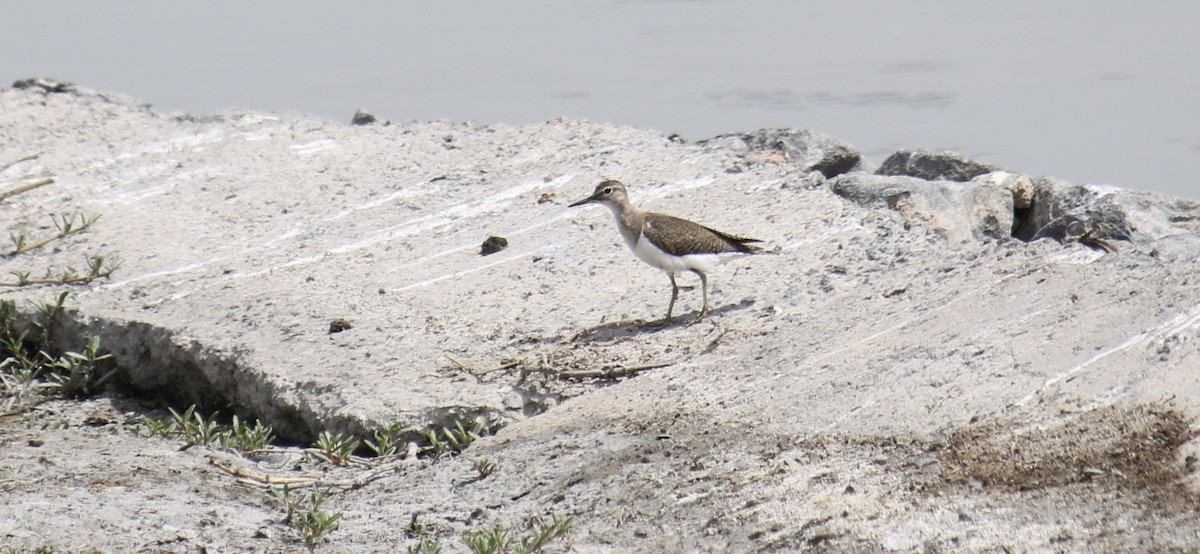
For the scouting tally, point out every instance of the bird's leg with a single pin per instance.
(671, 306)
(704, 287)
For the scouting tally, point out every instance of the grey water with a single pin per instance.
(1090, 91)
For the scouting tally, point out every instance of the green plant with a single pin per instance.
(497, 540)
(451, 441)
(284, 496)
(483, 467)
(165, 428)
(74, 373)
(437, 445)
(387, 440)
(36, 421)
(313, 522)
(29, 365)
(425, 546)
(66, 225)
(99, 266)
(19, 376)
(49, 313)
(196, 429)
(245, 438)
(14, 347)
(335, 449)
(415, 528)
(26, 549)
(544, 532)
(8, 318)
(460, 438)
(488, 541)
(16, 377)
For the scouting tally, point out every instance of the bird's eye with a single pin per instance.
(607, 190)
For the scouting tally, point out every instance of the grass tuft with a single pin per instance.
(335, 449)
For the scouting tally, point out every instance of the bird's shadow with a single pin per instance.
(615, 330)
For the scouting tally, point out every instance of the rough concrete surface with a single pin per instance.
(903, 376)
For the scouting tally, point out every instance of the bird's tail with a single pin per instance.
(744, 244)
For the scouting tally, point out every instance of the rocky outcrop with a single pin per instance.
(934, 166)
(960, 211)
(884, 366)
(810, 150)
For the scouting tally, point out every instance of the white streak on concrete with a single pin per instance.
(812, 362)
(163, 273)
(845, 416)
(461, 273)
(672, 188)
(452, 214)
(283, 237)
(310, 148)
(406, 191)
(1181, 321)
(494, 202)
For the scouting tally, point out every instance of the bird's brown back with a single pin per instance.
(680, 237)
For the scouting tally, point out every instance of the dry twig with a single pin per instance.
(613, 373)
(26, 187)
(479, 375)
(266, 481)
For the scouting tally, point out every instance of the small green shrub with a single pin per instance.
(386, 441)
(335, 449)
(305, 513)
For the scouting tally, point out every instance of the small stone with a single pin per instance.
(338, 325)
(361, 117)
(492, 245)
(546, 197)
(96, 421)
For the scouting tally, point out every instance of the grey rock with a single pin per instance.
(362, 117)
(812, 151)
(1062, 210)
(44, 85)
(492, 244)
(1021, 186)
(1066, 212)
(961, 211)
(934, 166)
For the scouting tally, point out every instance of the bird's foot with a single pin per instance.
(703, 312)
(659, 322)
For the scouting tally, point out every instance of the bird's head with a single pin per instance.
(608, 192)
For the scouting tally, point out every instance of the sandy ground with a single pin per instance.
(894, 379)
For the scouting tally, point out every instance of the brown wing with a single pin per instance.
(678, 237)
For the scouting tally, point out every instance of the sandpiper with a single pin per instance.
(670, 243)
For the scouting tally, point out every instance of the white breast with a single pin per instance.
(652, 255)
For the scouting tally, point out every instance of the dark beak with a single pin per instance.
(591, 198)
